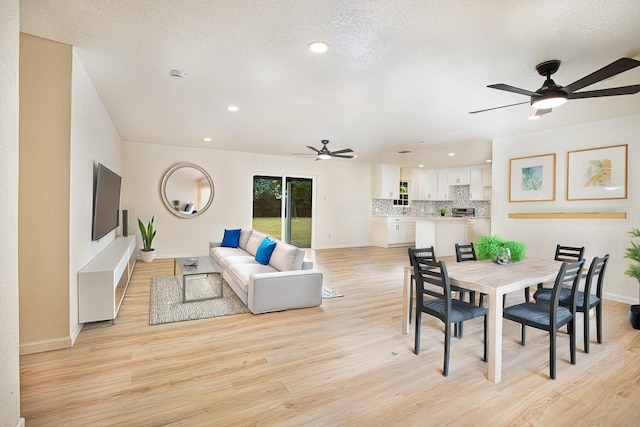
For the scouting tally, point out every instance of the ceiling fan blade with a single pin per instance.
(614, 91)
(496, 108)
(502, 86)
(341, 156)
(314, 149)
(346, 150)
(616, 67)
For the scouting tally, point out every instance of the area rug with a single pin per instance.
(330, 293)
(167, 306)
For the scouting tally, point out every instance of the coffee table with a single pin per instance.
(205, 267)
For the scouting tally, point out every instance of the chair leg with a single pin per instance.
(459, 330)
(486, 338)
(481, 304)
(572, 341)
(552, 353)
(447, 344)
(416, 344)
(527, 295)
(599, 321)
(411, 300)
(523, 334)
(587, 334)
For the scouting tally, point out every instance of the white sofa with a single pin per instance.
(288, 281)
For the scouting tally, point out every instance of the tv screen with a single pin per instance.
(106, 202)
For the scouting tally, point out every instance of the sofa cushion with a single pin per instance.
(241, 273)
(286, 257)
(218, 253)
(245, 233)
(239, 259)
(231, 238)
(263, 254)
(254, 242)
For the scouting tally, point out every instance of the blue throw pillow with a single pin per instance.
(263, 254)
(231, 238)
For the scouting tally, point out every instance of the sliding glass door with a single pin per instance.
(283, 208)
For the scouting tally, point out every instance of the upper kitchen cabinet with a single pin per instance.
(386, 181)
(428, 185)
(444, 192)
(479, 190)
(459, 176)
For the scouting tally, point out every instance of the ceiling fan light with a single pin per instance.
(550, 101)
(324, 156)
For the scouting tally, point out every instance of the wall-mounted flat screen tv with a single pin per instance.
(106, 202)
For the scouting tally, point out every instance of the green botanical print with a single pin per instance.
(532, 178)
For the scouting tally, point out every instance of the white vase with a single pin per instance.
(148, 256)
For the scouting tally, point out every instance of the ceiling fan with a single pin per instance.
(552, 95)
(324, 153)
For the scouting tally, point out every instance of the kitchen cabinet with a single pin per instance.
(486, 176)
(443, 185)
(459, 176)
(386, 181)
(394, 231)
(428, 185)
(478, 189)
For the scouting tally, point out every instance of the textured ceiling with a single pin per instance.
(399, 75)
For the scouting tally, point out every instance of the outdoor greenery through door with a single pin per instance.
(274, 214)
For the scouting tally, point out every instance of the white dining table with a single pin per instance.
(494, 280)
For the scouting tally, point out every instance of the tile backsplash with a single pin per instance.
(385, 207)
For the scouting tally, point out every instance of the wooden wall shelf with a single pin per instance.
(568, 215)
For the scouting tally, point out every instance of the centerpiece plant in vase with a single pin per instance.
(147, 253)
(500, 250)
(633, 253)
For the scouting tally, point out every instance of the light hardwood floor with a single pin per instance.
(344, 363)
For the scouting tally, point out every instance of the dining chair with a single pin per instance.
(564, 254)
(468, 253)
(433, 297)
(584, 304)
(553, 316)
(428, 254)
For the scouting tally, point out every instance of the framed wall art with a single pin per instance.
(597, 173)
(532, 179)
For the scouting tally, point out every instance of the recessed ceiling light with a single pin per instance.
(318, 47)
(452, 154)
(232, 108)
(488, 160)
(207, 139)
(420, 166)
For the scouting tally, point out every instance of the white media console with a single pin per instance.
(103, 282)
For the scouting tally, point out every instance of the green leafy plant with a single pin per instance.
(489, 247)
(148, 233)
(442, 210)
(633, 253)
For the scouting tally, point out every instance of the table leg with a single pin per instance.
(495, 337)
(406, 296)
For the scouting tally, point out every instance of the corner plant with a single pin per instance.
(147, 233)
(489, 247)
(633, 253)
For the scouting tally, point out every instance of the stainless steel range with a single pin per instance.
(463, 212)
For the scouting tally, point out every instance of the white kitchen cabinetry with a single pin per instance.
(428, 185)
(459, 176)
(103, 282)
(477, 227)
(486, 176)
(443, 185)
(394, 231)
(386, 181)
(478, 189)
(442, 233)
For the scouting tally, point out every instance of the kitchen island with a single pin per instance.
(441, 232)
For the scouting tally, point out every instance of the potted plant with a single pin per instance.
(147, 253)
(499, 249)
(633, 253)
(442, 211)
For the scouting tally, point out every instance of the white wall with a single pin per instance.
(9, 101)
(343, 199)
(94, 140)
(598, 236)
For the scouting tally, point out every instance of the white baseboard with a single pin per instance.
(46, 345)
(354, 245)
(619, 298)
(76, 332)
(21, 423)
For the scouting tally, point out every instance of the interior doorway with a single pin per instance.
(283, 208)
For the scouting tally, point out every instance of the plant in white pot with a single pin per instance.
(147, 253)
(633, 253)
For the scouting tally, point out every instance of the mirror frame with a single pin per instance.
(163, 189)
